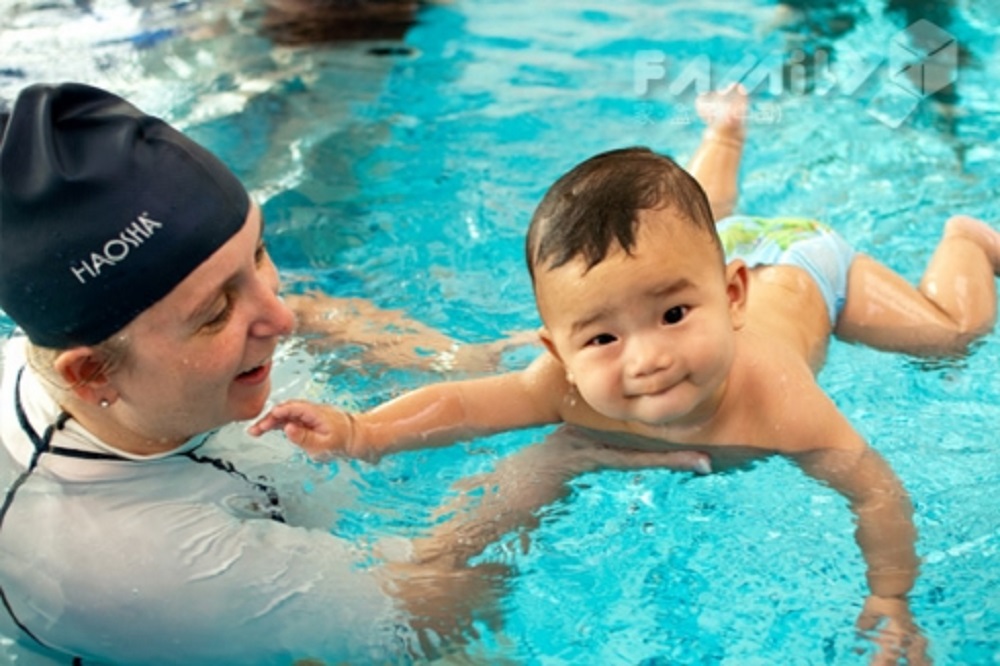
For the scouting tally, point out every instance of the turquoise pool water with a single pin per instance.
(408, 178)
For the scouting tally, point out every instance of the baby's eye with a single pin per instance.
(601, 340)
(675, 314)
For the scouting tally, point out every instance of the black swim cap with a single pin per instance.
(103, 211)
(4, 117)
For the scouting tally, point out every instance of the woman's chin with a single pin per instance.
(250, 407)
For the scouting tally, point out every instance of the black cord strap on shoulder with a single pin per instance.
(42, 444)
(273, 509)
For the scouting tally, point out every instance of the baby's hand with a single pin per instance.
(322, 431)
(889, 623)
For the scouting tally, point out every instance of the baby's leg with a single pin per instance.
(955, 303)
(716, 163)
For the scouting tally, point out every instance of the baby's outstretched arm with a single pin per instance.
(885, 530)
(431, 416)
(320, 430)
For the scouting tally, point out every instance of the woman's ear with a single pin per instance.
(84, 370)
(737, 286)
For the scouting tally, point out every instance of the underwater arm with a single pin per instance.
(885, 531)
(434, 578)
(885, 534)
(393, 339)
(509, 498)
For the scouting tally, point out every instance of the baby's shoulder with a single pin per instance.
(778, 399)
(548, 369)
(766, 367)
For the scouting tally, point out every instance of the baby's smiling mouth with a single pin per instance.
(653, 390)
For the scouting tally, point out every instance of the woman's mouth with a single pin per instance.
(255, 375)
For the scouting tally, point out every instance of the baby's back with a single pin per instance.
(786, 306)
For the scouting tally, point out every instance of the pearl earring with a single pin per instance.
(104, 403)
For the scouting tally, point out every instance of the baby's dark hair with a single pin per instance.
(597, 203)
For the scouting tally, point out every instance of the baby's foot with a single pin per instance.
(978, 232)
(724, 111)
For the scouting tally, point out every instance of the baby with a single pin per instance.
(654, 341)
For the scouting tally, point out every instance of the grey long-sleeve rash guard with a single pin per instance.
(175, 559)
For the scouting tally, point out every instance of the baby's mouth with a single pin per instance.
(653, 391)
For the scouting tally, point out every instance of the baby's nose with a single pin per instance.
(646, 357)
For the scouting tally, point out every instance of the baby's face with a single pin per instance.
(650, 336)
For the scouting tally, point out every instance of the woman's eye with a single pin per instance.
(222, 317)
(601, 340)
(260, 254)
(675, 314)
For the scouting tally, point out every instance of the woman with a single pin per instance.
(133, 261)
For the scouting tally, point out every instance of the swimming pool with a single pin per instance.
(408, 178)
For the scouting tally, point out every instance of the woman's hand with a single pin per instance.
(508, 499)
(597, 456)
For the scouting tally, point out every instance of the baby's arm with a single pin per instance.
(432, 416)
(885, 531)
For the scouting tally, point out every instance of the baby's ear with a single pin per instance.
(737, 285)
(546, 338)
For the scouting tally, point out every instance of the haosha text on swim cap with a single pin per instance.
(103, 211)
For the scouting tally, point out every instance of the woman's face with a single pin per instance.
(201, 357)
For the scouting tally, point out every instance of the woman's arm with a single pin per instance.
(391, 338)
(509, 498)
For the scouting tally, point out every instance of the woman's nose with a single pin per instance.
(280, 319)
(275, 319)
